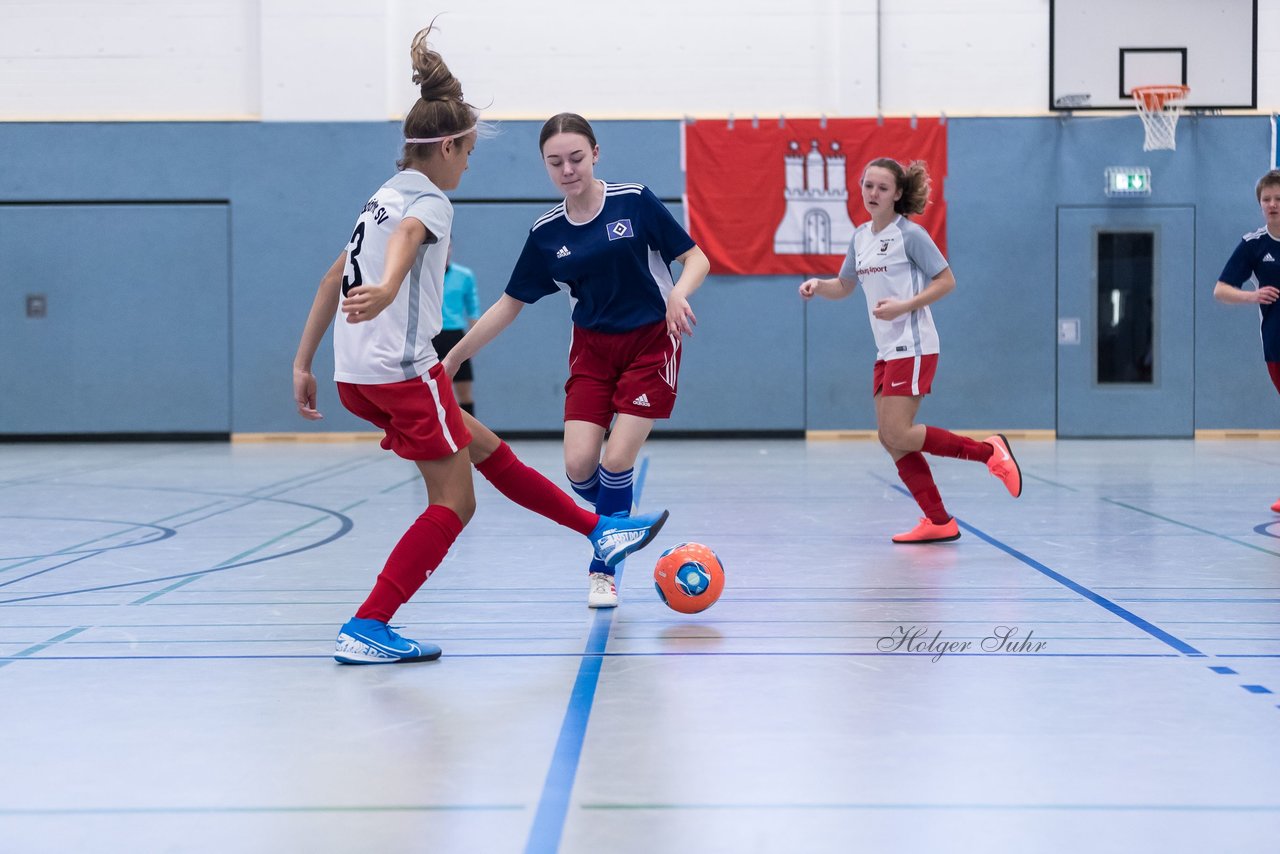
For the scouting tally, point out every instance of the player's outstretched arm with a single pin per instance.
(1232, 295)
(323, 308)
(489, 326)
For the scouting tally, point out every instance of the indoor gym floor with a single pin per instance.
(167, 616)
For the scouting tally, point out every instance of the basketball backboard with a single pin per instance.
(1099, 50)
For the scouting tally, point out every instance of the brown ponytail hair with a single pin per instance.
(441, 109)
(912, 180)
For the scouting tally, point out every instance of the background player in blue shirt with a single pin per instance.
(1257, 257)
(459, 311)
(609, 247)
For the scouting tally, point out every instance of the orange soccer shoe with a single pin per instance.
(929, 532)
(1003, 466)
(1275, 508)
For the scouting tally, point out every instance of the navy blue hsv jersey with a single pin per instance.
(1258, 257)
(615, 267)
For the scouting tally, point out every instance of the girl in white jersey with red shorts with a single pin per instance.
(609, 246)
(385, 291)
(902, 272)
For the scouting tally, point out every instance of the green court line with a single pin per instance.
(392, 808)
(1191, 527)
(32, 650)
(150, 596)
(71, 548)
(246, 500)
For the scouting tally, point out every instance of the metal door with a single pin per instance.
(1126, 321)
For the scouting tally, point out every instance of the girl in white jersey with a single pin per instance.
(609, 247)
(902, 273)
(385, 290)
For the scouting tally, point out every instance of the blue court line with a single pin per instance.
(163, 534)
(1252, 689)
(599, 657)
(243, 501)
(344, 525)
(639, 637)
(553, 805)
(1101, 601)
(231, 560)
(662, 621)
(910, 600)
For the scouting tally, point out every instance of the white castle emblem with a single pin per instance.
(816, 221)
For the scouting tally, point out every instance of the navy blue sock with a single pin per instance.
(614, 497)
(589, 489)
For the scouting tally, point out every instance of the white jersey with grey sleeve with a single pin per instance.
(396, 345)
(896, 263)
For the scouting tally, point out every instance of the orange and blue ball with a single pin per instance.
(689, 577)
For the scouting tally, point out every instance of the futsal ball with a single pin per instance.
(689, 578)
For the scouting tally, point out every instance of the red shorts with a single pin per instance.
(1273, 369)
(420, 417)
(910, 377)
(628, 372)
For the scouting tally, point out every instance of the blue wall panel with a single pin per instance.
(761, 359)
(137, 331)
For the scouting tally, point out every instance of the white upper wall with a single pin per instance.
(326, 60)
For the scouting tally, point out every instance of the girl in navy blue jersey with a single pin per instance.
(610, 247)
(1257, 257)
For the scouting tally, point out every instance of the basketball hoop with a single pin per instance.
(1159, 108)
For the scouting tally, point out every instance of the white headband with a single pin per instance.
(442, 138)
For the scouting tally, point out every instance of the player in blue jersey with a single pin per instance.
(385, 291)
(1257, 257)
(461, 308)
(609, 247)
(902, 273)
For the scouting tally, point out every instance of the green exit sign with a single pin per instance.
(1128, 181)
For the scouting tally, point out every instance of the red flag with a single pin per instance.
(769, 199)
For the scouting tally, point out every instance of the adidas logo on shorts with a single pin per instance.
(642, 400)
(563, 253)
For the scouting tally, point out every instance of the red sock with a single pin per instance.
(914, 471)
(943, 443)
(532, 491)
(412, 561)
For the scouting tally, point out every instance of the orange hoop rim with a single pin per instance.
(1155, 97)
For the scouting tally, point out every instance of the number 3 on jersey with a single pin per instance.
(351, 276)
